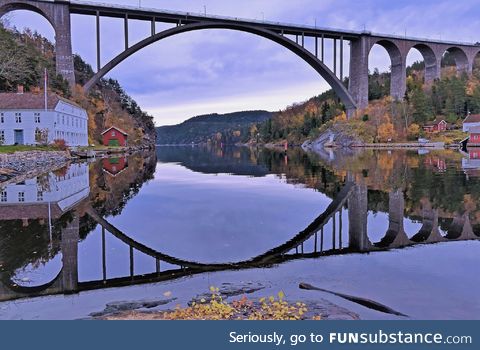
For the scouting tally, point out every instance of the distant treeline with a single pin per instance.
(228, 128)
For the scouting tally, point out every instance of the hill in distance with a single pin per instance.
(227, 128)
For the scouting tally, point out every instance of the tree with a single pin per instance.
(386, 132)
(421, 108)
(41, 136)
(413, 131)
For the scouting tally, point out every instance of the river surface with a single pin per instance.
(398, 227)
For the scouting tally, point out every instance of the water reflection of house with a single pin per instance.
(471, 164)
(435, 162)
(114, 166)
(48, 196)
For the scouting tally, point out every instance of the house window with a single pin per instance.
(21, 197)
(3, 196)
(18, 118)
(2, 136)
(37, 118)
(39, 196)
(114, 134)
(2, 118)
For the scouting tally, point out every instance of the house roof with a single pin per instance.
(28, 100)
(114, 127)
(472, 118)
(435, 122)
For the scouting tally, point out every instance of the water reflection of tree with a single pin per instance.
(109, 195)
(22, 245)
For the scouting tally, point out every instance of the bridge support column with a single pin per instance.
(399, 77)
(357, 219)
(70, 238)
(358, 83)
(63, 45)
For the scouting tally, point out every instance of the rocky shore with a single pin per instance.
(19, 166)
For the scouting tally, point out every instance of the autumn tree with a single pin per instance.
(386, 132)
(414, 131)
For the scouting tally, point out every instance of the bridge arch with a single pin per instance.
(10, 6)
(432, 69)
(398, 63)
(337, 85)
(461, 59)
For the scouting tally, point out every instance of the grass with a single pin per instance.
(22, 148)
(449, 137)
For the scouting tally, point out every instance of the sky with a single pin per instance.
(220, 71)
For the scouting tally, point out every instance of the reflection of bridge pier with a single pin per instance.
(70, 238)
(395, 236)
(429, 232)
(358, 219)
(65, 282)
(461, 228)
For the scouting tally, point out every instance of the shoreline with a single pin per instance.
(20, 166)
(23, 165)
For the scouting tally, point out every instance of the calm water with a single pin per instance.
(399, 227)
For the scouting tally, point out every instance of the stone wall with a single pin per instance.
(19, 166)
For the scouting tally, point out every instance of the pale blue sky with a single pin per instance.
(225, 71)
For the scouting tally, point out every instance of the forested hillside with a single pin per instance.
(450, 98)
(23, 59)
(228, 128)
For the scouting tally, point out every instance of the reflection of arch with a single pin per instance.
(461, 59)
(432, 71)
(8, 283)
(308, 57)
(262, 259)
(398, 79)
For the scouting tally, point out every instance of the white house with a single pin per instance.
(23, 116)
(472, 121)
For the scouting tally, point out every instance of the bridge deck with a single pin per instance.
(160, 15)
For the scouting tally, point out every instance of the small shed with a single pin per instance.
(438, 125)
(115, 137)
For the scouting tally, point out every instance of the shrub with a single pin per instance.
(60, 144)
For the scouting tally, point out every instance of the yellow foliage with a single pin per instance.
(414, 131)
(242, 309)
(386, 132)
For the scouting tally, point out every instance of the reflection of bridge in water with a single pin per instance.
(352, 196)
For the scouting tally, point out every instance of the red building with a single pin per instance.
(474, 137)
(114, 166)
(115, 137)
(438, 125)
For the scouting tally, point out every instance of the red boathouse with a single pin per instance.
(115, 137)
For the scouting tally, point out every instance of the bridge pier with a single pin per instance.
(69, 246)
(358, 82)
(58, 14)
